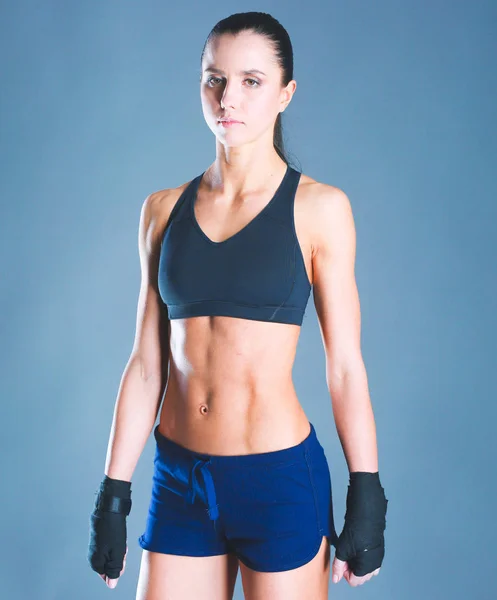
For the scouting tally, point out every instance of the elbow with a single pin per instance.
(148, 369)
(338, 372)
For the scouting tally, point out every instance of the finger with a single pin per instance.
(112, 583)
(338, 568)
(355, 580)
(113, 567)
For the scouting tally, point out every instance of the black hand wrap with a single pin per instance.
(361, 542)
(108, 527)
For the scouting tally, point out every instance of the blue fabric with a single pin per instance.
(258, 273)
(271, 509)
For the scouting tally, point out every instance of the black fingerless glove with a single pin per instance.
(361, 542)
(108, 527)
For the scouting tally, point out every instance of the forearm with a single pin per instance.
(137, 405)
(354, 419)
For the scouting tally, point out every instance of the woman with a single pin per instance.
(228, 261)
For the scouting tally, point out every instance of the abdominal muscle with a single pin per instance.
(230, 388)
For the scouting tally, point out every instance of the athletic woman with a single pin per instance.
(228, 261)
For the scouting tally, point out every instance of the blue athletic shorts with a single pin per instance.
(270, 509)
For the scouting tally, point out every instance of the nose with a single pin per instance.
(228, 97)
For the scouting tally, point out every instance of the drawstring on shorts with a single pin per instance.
(194, 486)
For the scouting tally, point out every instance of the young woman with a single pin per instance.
(228, 261)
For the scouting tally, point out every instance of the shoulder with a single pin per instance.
(156, 209)
(329, 211)
(323, 198)
(158, 205)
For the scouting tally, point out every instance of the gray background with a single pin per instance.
(395, 104)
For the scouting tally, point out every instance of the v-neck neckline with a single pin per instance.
(245, 227)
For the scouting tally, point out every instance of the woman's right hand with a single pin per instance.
(107, 547)
(111, 583)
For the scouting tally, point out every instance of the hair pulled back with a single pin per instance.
(266, 25)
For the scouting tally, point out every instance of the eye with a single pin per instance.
(211, 79)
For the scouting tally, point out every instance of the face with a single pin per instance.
(230, 86)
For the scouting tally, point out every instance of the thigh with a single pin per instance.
(174, 577)
(276, 514)
(181, 515)
(308, 581)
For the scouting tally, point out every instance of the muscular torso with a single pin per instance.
(230, 387)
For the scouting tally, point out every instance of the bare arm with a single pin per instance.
(145, 376)
(337, 305)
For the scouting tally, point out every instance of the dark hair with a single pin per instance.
(266, 25)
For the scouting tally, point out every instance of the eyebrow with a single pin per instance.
(215, 70)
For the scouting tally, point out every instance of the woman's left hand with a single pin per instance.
(341, 569)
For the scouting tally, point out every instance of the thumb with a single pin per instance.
(338, 567)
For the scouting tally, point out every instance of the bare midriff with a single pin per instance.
(230, 389)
